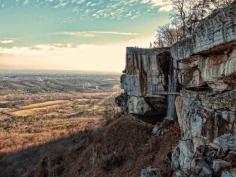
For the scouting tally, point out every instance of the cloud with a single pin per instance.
(68, 20)
(7, 41)
(112, 9)
(106, 57)
(164, 5)
(96, 33)
(81, 57)
(26, 2)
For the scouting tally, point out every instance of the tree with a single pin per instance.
(150, 45)
(221, 3)
(180, 14)
(200, 9)
(167, 36)
(185, 18)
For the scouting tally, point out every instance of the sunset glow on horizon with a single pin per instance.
(76, 34)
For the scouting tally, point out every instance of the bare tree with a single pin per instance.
(221, 3)
(158, 43)
(180, 14)
(166, 36)
(200, 9)
(185, 18)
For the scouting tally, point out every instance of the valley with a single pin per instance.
(36, 108)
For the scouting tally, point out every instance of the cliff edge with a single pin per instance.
(194, 81)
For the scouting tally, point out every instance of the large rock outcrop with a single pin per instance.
(145, 80)
(203, 66)
(206, 107)
(213, 33)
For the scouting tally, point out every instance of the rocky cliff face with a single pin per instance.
(145, 75)
(203, 66)
(217, 30)
(206, 107)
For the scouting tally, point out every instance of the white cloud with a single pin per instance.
(26, 2)
(7, 41)
(164, 5)
(68, 20)
(96, 33)
(81, 57)
(106, 57)
(112, 9)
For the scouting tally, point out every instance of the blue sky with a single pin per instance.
(50, 34)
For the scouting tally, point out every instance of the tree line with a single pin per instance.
(185, 17)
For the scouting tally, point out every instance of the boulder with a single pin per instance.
(179, 173)
(231, 157)
(206, 107)
(150, 172)
(200, 168)
(226, 142)
(214, 32)
(145, 79)
(219, 165)
(228, 174)
(138, 105)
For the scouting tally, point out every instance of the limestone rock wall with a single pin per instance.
(217, 29)
(206, 107)
(208, 127)
(215, 70)
(202, 68)
(145, 75)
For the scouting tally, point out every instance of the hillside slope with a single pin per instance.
(121, 147)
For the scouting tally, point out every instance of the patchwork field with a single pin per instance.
(29, 118)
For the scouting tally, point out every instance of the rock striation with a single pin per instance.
(150, 172)
(145, 80)
(206, 107)
(196, 79)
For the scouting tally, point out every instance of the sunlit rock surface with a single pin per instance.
(206, 107)
(146, 75)
(198, 74)
(217, 30)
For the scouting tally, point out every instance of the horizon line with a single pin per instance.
(60, 70)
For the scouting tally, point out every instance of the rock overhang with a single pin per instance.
(202, 67)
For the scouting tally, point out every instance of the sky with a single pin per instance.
(88, 35)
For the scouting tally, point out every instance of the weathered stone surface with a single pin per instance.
(200, 168)
(217, 29)
(226, 142)
(186, 155)
(179, 173)
(131, 85)
(228, 174)
(189, 74)
(206, 107)
(137, 105)
(231, 157)
(150, 172)
(219, 165)
(203, 68)
(203, 117)
(215, 71)
(146, 75)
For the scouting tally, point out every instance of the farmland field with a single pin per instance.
(38, 107)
